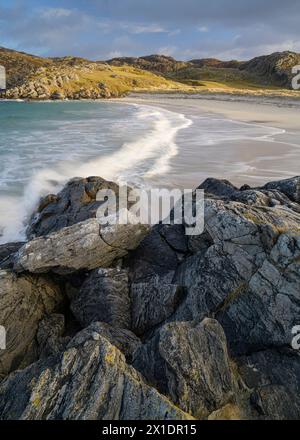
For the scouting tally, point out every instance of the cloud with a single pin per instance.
(184, 29)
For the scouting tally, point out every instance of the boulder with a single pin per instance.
(85, 245)
(125, 341)
(289, 187)
(189, 363)
(247, 274)
(7, 251)
(104, 296)
(153, 301)
(272, 376)
(75, 203)
(24, 301)
(91, 381)
(49, 336)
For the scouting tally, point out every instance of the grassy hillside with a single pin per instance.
(31, 77)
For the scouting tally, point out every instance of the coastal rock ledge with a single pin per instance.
(131, 322)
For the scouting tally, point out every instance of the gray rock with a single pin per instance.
(84, 245)
(289, 187)
(248, 277)
(159, 253)
(104, 296)
(153, 302)
(90, 382)
(273, 378)
(6, 254)
(268, 308)
(75, 203)
(49, 336)
(24, 301)
(125, 341)
(190, 364)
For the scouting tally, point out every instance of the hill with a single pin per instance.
(30, 77)
(33, 77)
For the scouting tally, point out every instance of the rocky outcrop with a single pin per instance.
(75, 203)
(275, 68)
(189, 362)
(153, 301)
(160, 64)
(125, 340)
(273, 378)
(156, 324)
(91, 381)
(85, 245)
(24, 301)
(104, 296)
(7, 252)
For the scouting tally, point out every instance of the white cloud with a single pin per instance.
(203, 29)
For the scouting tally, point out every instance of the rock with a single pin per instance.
(189, 363)
(264, 313)
(50, 335)
(218, 188)
(6, 253)
(125, 341)
(75, 203)
(274, 380)
(289, 187)
(84, 245)
(104, 296)
(24, 301)
(238, 277)
(159, 253)
(90, 382)
(153, 302)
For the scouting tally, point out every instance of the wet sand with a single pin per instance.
(247, 156)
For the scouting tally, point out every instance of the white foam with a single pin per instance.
(146, 156)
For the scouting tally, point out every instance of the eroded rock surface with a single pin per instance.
(91, 382)
(189, 362)
(104, 296)
(24, 301)
(85, 245)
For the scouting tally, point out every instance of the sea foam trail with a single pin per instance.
(147, 156)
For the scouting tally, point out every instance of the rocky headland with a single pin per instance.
(131, 322)
(36, 78)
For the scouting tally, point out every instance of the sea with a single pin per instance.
(44, 144)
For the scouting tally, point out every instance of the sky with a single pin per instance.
(184, 29)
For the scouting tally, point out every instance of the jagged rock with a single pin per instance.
(104, 296)
(91, 382)
(266, 309)
(75, 203)
(289, 187)
(6, 253)
(153, 302)
(159, 253)
(189, 362)
(84, 245)
(219, 188)
(238, 278)
(125, 341)
(24, 301)
(50, 335)
(274, 380)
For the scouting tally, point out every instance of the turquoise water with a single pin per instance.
(42, 145)
(174, 144)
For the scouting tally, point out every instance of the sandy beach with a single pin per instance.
(250, 155)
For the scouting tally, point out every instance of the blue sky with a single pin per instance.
(185, 29)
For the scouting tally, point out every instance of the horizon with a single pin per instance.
(104, 29)
(142, 56)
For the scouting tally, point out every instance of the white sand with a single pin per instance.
(246, 157)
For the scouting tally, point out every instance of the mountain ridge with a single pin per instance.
(34, 77)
